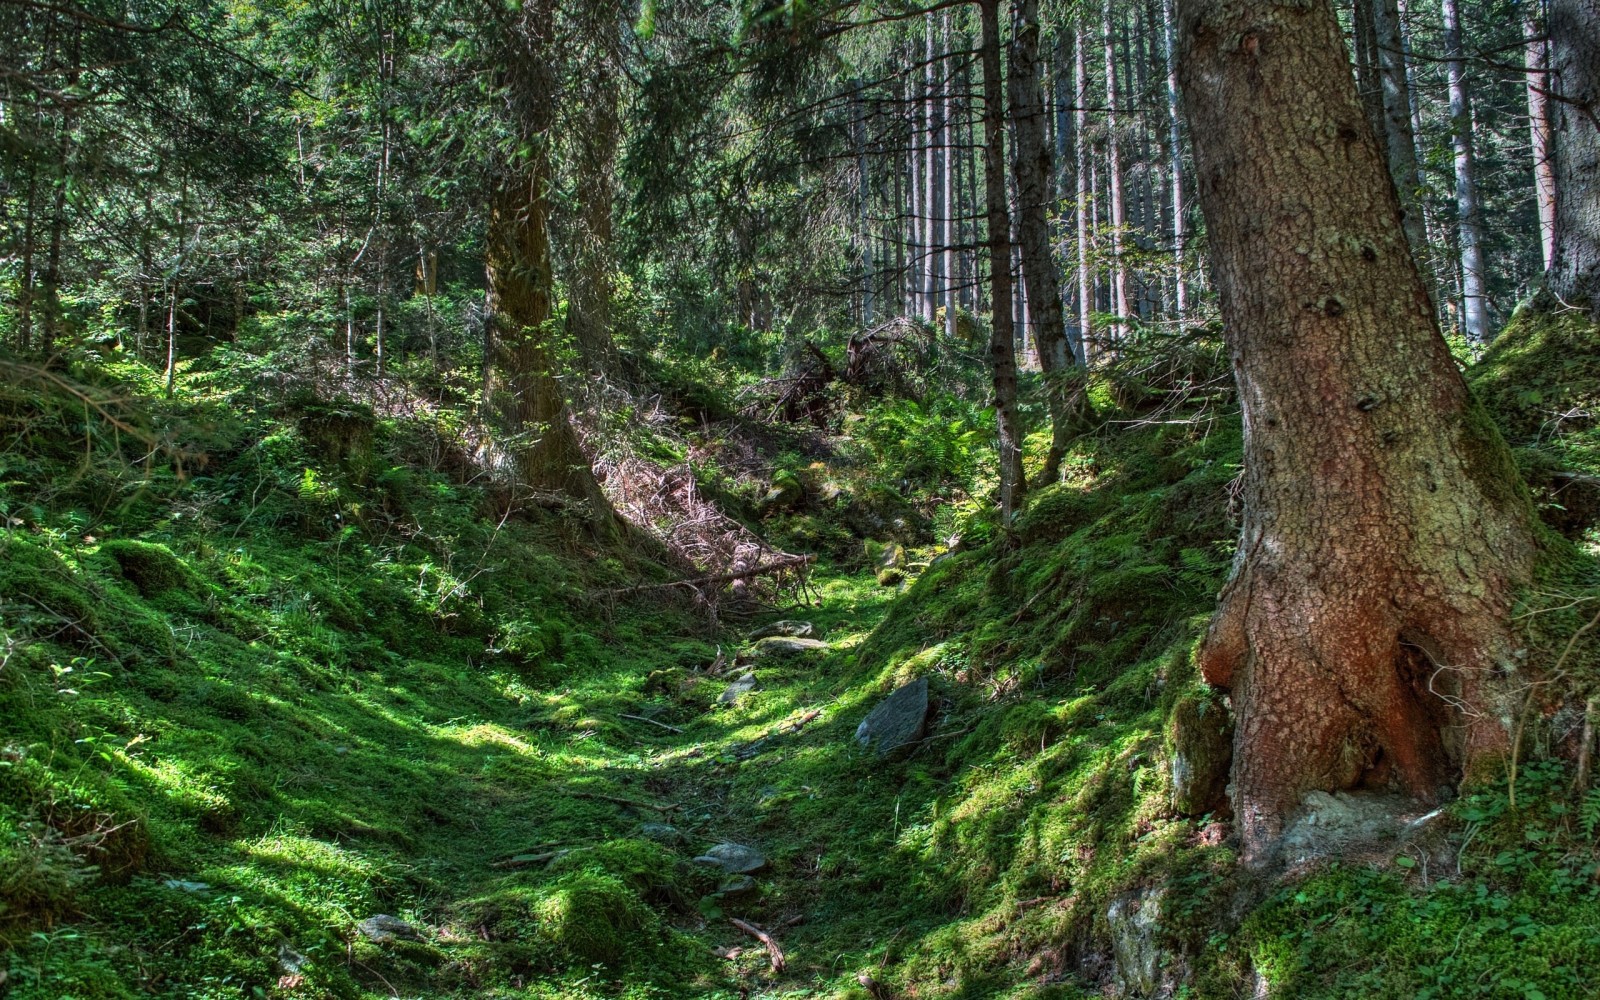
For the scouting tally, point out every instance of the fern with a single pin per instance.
(1589, 813)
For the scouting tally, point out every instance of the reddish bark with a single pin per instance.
(1366, 623)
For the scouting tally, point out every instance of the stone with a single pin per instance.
(1338, 823)
(1134, 922)
(382, 929)
(790, 629)
(734, 859)
(778, 647)
(898, 720)
(891, 577)
(661, 833)
(738, 689)
(1200, 748)
(736, 885)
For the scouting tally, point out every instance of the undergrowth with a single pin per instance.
(298, 671)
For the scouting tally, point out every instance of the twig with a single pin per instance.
(640, 718)
(1580, 783)
(1527, 706)
(773, 951)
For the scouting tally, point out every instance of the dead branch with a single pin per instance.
(640, 718)
(773, 951)
(777, 566)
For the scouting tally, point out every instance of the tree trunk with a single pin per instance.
(1081, 210)
(1575, 68)
(1031, 167)
(1537, 55)
(1175, 167)
(1385, 527)
(951, 156)
(1002, 337)
(517, 265)
(1399, 141)
(1119, 208)
(1474, 271)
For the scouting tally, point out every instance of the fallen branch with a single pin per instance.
(640, 718)
(619, 800)
(773, 951)
(787, 562)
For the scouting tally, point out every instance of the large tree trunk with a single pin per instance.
(520, 337)
(1031, 167)
(1002, 334)
(1385, 527)
(1575, 70)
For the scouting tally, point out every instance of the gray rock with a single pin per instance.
(1134, 920)
(899, 719)
(382, 929)
(661, 833)
(791, 629)
(891, 556)
(779, 647)
(289, 960)
(734, 859)
(738, 689)
(736, 885)
(1200, 746)
(185, 886)
(1339, 822)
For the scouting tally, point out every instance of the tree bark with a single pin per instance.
(1469, 224)
(517, 265)
(1082, 209)
(1385, 527)
(1400, 143)
(1175, 167)
(1002, 334)
(1031, 167)
(1536, 54)
(1119, 208)
(1575, 70)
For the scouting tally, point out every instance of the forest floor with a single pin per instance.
(308, 723)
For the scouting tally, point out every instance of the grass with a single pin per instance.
(306, 685)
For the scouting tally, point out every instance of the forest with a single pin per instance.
(853, 499)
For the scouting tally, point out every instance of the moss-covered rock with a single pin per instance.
(1200, 750)
(593, 916)
(151, 567)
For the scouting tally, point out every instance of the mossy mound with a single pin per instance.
(1541, 377)
(593, 916)
(149, 566)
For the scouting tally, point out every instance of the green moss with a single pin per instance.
(149, 566)
(593, 916)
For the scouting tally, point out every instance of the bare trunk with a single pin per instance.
(1400, 143)
(1575, 68)
(1119, 208)
(1474, 271)
(1385, 528)
(1536, 53)
(1082, 208)
(1175, 167)
(1031, 167)
(1002, 343)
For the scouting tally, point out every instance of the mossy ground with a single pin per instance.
(247, 710)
